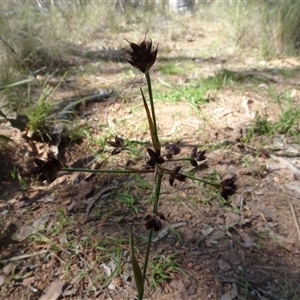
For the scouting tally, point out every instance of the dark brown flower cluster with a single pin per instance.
(155, 158)
(172, 150)
(228, 187)
(176, 175)
(154, 222)
(118, 144)
(47, 169)
(141, 56)
(197, 156)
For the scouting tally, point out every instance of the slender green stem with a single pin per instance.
(147, 253)
(147, 74)
(156, 146)
(105, 171)
(155, 210)
(135, 151)
(177, 159)
(157, 192)
(216, 185)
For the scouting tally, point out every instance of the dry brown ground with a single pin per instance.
(245, 248)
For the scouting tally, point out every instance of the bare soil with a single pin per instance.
(244, 248)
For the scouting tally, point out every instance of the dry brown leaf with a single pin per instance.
(53, 291)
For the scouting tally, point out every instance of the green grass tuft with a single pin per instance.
(172, 69)
(196, 94)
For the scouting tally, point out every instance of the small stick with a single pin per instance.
(24, 256)
(294, 217)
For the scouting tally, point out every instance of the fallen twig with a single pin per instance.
(24, 256)
(165, 231)
(91, 201)
(295, 218)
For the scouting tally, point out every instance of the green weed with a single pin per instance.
(246, 284)
(164, 269)
(171, 69)
(265, 238)
(129, 201)
(289, 287)
(196, 94)
(287, 122)
(15, 174)
(38, 112)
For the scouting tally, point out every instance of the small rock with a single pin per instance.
(289, 247)
(263, 86)
(214, 237)
(294, 186)
(190, 265)
(191, 291)
(230, 295)
(27, 230)
(231, 218)
(187, 217)
(24, 232)
(224, 265)
(279, 142)
(3, 279)
(197, 268)
(207, 231)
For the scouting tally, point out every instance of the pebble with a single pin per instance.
(224, 265)
(197, 268)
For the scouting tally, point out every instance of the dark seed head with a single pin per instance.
(228, 187)
(47, 169)
(118, 144)
(141, 56)
(173, 149)
(154, 223)
(155, 158)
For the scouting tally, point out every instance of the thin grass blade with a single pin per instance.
(136, 270)
(150, 121)
(21, 82)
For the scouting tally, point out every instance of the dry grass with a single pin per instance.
(191, 49)
(269, 29)
(49, 37)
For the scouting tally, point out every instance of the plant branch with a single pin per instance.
(216, 185)
(147, 74)
(157, 192)
(177, 159)
(129, 171)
